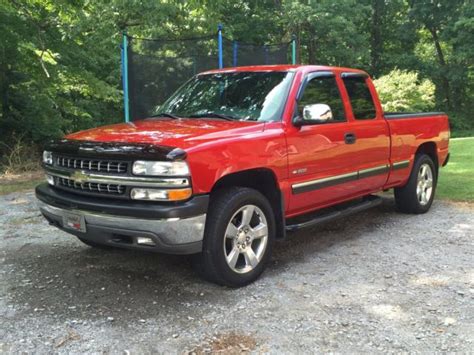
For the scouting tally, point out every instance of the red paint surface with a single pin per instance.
(218, 148)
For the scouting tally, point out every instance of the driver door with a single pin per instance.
(322, 159)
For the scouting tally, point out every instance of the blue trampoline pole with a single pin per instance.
(293, 50)
(234, 52)
(124, 57)
(219, 44)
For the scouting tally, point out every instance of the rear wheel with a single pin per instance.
(238, 240)
(418, 194)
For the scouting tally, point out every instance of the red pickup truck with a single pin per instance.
(235, 159)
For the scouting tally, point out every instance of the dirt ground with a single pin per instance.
(379, 281)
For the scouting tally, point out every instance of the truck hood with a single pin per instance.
(182, 133)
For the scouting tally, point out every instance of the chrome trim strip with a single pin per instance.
(373, 171)
(338, 179)
(402, 164)
(321, 183)
(331, 178)
(377, 168)
(122, 180)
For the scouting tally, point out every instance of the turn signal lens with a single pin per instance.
(177, 195)
(160, 195)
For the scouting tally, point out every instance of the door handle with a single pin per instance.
(350, 138)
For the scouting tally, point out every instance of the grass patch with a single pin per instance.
(20, 182)
(456, 180)
(19, 186)
(462, 133)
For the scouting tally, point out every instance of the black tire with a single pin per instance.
(211, 264)
(96, 245)
(406, 197)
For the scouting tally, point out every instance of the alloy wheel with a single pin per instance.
(424, 187)
(246, 238)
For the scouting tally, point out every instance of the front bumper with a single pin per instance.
(177, 230)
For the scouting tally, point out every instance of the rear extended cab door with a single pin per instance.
(370, 131)
(338, 160)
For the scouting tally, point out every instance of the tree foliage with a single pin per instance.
(60, 59)
(403, 91)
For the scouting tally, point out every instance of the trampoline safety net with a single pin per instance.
(157, 68)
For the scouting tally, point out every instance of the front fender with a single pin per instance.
(213, 160)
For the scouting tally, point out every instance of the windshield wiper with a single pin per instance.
(214, 115)
(166, 114)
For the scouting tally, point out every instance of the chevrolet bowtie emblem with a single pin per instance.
(79, 177)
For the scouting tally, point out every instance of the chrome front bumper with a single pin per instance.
(171, 235)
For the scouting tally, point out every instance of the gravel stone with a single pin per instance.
(376, 282)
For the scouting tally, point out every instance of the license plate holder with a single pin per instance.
(74, 222)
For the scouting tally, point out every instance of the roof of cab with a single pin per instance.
(283, 67)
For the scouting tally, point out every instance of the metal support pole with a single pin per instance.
(234, 56)
(219, 44)
(293, 50)
(124, 56)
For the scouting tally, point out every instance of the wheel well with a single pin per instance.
(263, 180)
(429, 148)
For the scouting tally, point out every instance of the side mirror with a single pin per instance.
(314, 114)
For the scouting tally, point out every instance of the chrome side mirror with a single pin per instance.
(317, 113)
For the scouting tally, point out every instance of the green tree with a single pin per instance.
(325, 34)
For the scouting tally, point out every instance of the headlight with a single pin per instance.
(47, 157)
(156, 168)
(160, 195)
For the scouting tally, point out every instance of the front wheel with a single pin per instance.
(238, 239)
(418, 194)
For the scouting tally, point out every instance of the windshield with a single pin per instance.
(251, 96)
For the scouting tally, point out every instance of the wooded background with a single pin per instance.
(60, 59)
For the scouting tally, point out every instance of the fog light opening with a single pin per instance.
(50, 179)
(123, 239)
(146, 241)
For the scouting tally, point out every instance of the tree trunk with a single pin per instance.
(442, 63)
(4, 85)
(298, 45)
(376, 36)
(312, 51)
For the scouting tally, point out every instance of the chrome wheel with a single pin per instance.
(246, 239)
(424, 187)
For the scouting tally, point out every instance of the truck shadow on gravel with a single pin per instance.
(314, 242)
(68, 280)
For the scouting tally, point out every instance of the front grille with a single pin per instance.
(106, 189)
(99, 165)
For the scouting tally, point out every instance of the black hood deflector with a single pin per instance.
(120, 150)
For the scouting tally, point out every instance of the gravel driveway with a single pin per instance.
(379, 281)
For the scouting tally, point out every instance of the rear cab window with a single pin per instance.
(361, 99)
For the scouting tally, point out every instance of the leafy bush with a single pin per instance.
(403, 91)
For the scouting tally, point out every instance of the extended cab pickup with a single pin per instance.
(235, 159)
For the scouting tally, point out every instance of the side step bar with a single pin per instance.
(366, 203)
